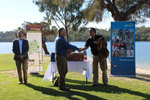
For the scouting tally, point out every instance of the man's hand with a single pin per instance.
(96, 42)
(83, 49)
(21, 56)
(70, 50)
(79, 50)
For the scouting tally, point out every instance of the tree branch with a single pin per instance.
(55, 21)
(113, 9)
(134, 8)
(60, 19)
(113, 1)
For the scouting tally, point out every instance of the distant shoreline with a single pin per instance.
(143, 71)
(70, 41)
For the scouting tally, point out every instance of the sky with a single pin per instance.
(15, 12)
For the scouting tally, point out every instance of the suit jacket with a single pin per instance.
(16, 49)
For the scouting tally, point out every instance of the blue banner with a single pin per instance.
(123, 49)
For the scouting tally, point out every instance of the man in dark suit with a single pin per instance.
(20, 50)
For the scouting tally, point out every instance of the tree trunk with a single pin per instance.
(123, 16)
(45, 48)
(44, 45)
(67, 35)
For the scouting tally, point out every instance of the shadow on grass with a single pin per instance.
(83, 86)
(37, 75)
(67, 94)
(77, 81)
(108, 89)
(142, 77)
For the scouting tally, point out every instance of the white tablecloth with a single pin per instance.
(83, 67)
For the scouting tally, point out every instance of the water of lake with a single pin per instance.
(142, 51)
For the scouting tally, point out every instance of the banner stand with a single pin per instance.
(123, 49)
(34, 37)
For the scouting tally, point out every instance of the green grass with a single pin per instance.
(119, 88)
(7, 62)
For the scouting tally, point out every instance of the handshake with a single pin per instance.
(70, 50)
(80, 49)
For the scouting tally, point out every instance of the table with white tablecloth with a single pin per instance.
(83, 67)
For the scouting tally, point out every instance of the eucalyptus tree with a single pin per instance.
(121, 10)
(63, 12)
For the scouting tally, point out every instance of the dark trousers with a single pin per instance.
(24, 64)
(62, 69)
(103, 65)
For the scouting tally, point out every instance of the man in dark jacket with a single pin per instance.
(20, 50)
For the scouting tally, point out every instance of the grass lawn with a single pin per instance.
(120, 88)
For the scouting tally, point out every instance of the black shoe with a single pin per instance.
(25, 82)
(20, 83)
(56, 85)
(93, 85)
(65, 89)
(54, 78)
(105, 84)
(57, 81)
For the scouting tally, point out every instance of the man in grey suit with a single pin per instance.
(20, 50)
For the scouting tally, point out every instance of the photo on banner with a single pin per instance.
(123, 49)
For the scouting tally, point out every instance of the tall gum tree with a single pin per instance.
(66, 12)
(121, 10)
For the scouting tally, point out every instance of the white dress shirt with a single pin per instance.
(20, 45)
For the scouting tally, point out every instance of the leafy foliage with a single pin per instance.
(142, 34)
(7, 36)
(66, 12)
